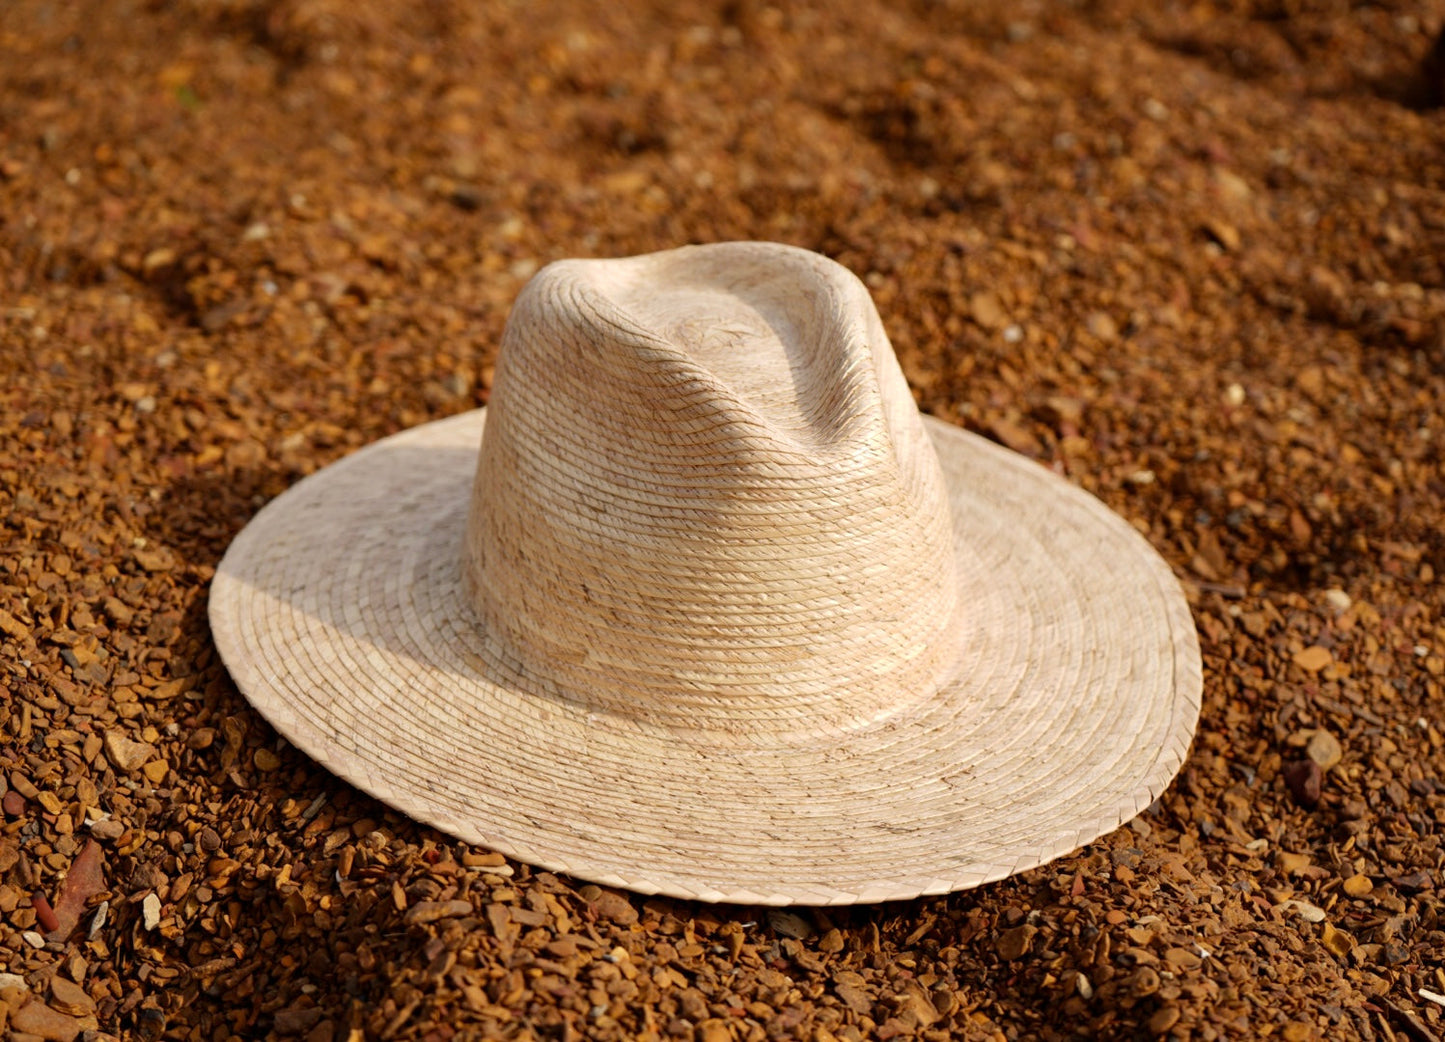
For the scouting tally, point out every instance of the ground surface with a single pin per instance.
(1189, 256)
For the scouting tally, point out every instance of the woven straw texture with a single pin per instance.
(714, 612)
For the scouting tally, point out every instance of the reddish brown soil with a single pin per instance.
(1190, 256)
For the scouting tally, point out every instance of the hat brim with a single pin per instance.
(340, 613)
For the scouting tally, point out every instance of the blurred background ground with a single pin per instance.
(1189, 256)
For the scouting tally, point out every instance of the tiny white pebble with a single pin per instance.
(102, 912)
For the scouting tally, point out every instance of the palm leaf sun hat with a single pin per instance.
(701, 605)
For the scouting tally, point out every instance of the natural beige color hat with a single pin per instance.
(701, 605)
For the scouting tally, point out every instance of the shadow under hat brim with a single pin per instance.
(340, 614)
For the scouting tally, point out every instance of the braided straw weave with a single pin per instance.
(714, 612)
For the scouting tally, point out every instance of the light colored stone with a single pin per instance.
(1102, 326)
(97, 922)
(1308, 912)
(1324, 749)
(984, 308)
(1338, 600)
(107, 828)
(126, 754)
(151, 911)
(1232, 186)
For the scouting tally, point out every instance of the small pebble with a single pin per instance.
(466, 197)
(107, 829)
(295, 1021)
(97, 922)
(266, 760)
(1291, 864)
(612, 905)
(789, 924)
(36, 1018)
(1337, 941)
(126, 754)
(44, 914)
(1015, 942)
(1101, 325)
(1313, 658)
(1303, 778)
(431, 911)
(1324, 749)
(151, 911)
(1164, 1018)
(1358, 885)
(985, 309)
(1306, 911)
(69, 997)
(150, 1025)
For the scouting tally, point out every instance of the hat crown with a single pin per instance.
(705, 493)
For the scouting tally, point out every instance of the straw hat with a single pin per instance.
(701, 605)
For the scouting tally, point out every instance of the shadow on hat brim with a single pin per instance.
(340, 614)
